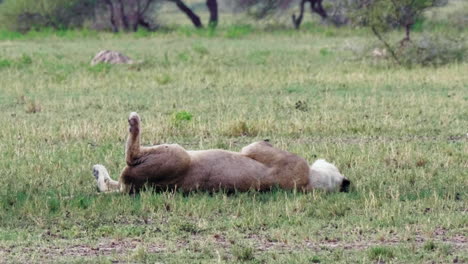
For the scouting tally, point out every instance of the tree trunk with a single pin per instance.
(317, 7)
(297, 21)
(390, 49)
(139, 17)
(213, 8)
(123, 16)
(193, 17)
(407, 38)
(142, 22)
(115, 28)
(135, 15)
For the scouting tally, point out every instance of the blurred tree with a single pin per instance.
(315, 5)
(262, 8)
(124, 15)
(212, 6)
(24, 15)
(383, 15)
(213, 9)
(129, 15)
(187, 11)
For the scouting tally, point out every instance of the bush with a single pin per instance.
(452, 16)
(179, 117)
(433, 50)
(25, 15)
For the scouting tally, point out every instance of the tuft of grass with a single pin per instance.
(381, 253)
(164, 79)
(238, 31)
(315, 259)
(25, 60)
(18, 63)
(10, 35)
(5, 63)
(100, 68)
(429, 246)
(241, 128)
(33, 107)
(200, 49)
(243, 252)
(184, 56)
(140, 255)
(53, 204)
(181, 117)
(142, 33)
(325, 52)
(259, 57)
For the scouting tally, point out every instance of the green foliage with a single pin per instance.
(20, 62)
(325, 52)
(25, 60)
(5, 63)
(381, 253)
(100, 68)
(9, 35)
(25, 15)
(384, 15)
(433, 50)
(53, 204)
(200, 49)
(430, 246)
(315, 259)
(182, 116)
(237, 31)
(163, 79)
(243, 252)
(142, 32)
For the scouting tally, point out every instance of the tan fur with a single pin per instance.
(259, 166)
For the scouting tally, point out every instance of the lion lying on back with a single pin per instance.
(259, 166)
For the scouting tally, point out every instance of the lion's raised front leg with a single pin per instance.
(132, 150)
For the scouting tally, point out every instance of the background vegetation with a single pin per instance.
(399, 133)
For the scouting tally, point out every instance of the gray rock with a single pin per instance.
(111, 57)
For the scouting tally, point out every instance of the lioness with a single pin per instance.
(259, 166)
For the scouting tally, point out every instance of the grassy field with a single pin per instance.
(399, 134)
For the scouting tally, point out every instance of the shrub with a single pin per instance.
(5, 63)
(433, 50)
(25, 15)
(180, 117)
(454, 16)
(21, 62)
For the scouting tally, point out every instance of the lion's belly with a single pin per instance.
(213, 170)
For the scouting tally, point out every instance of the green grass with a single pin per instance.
(400, 135)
